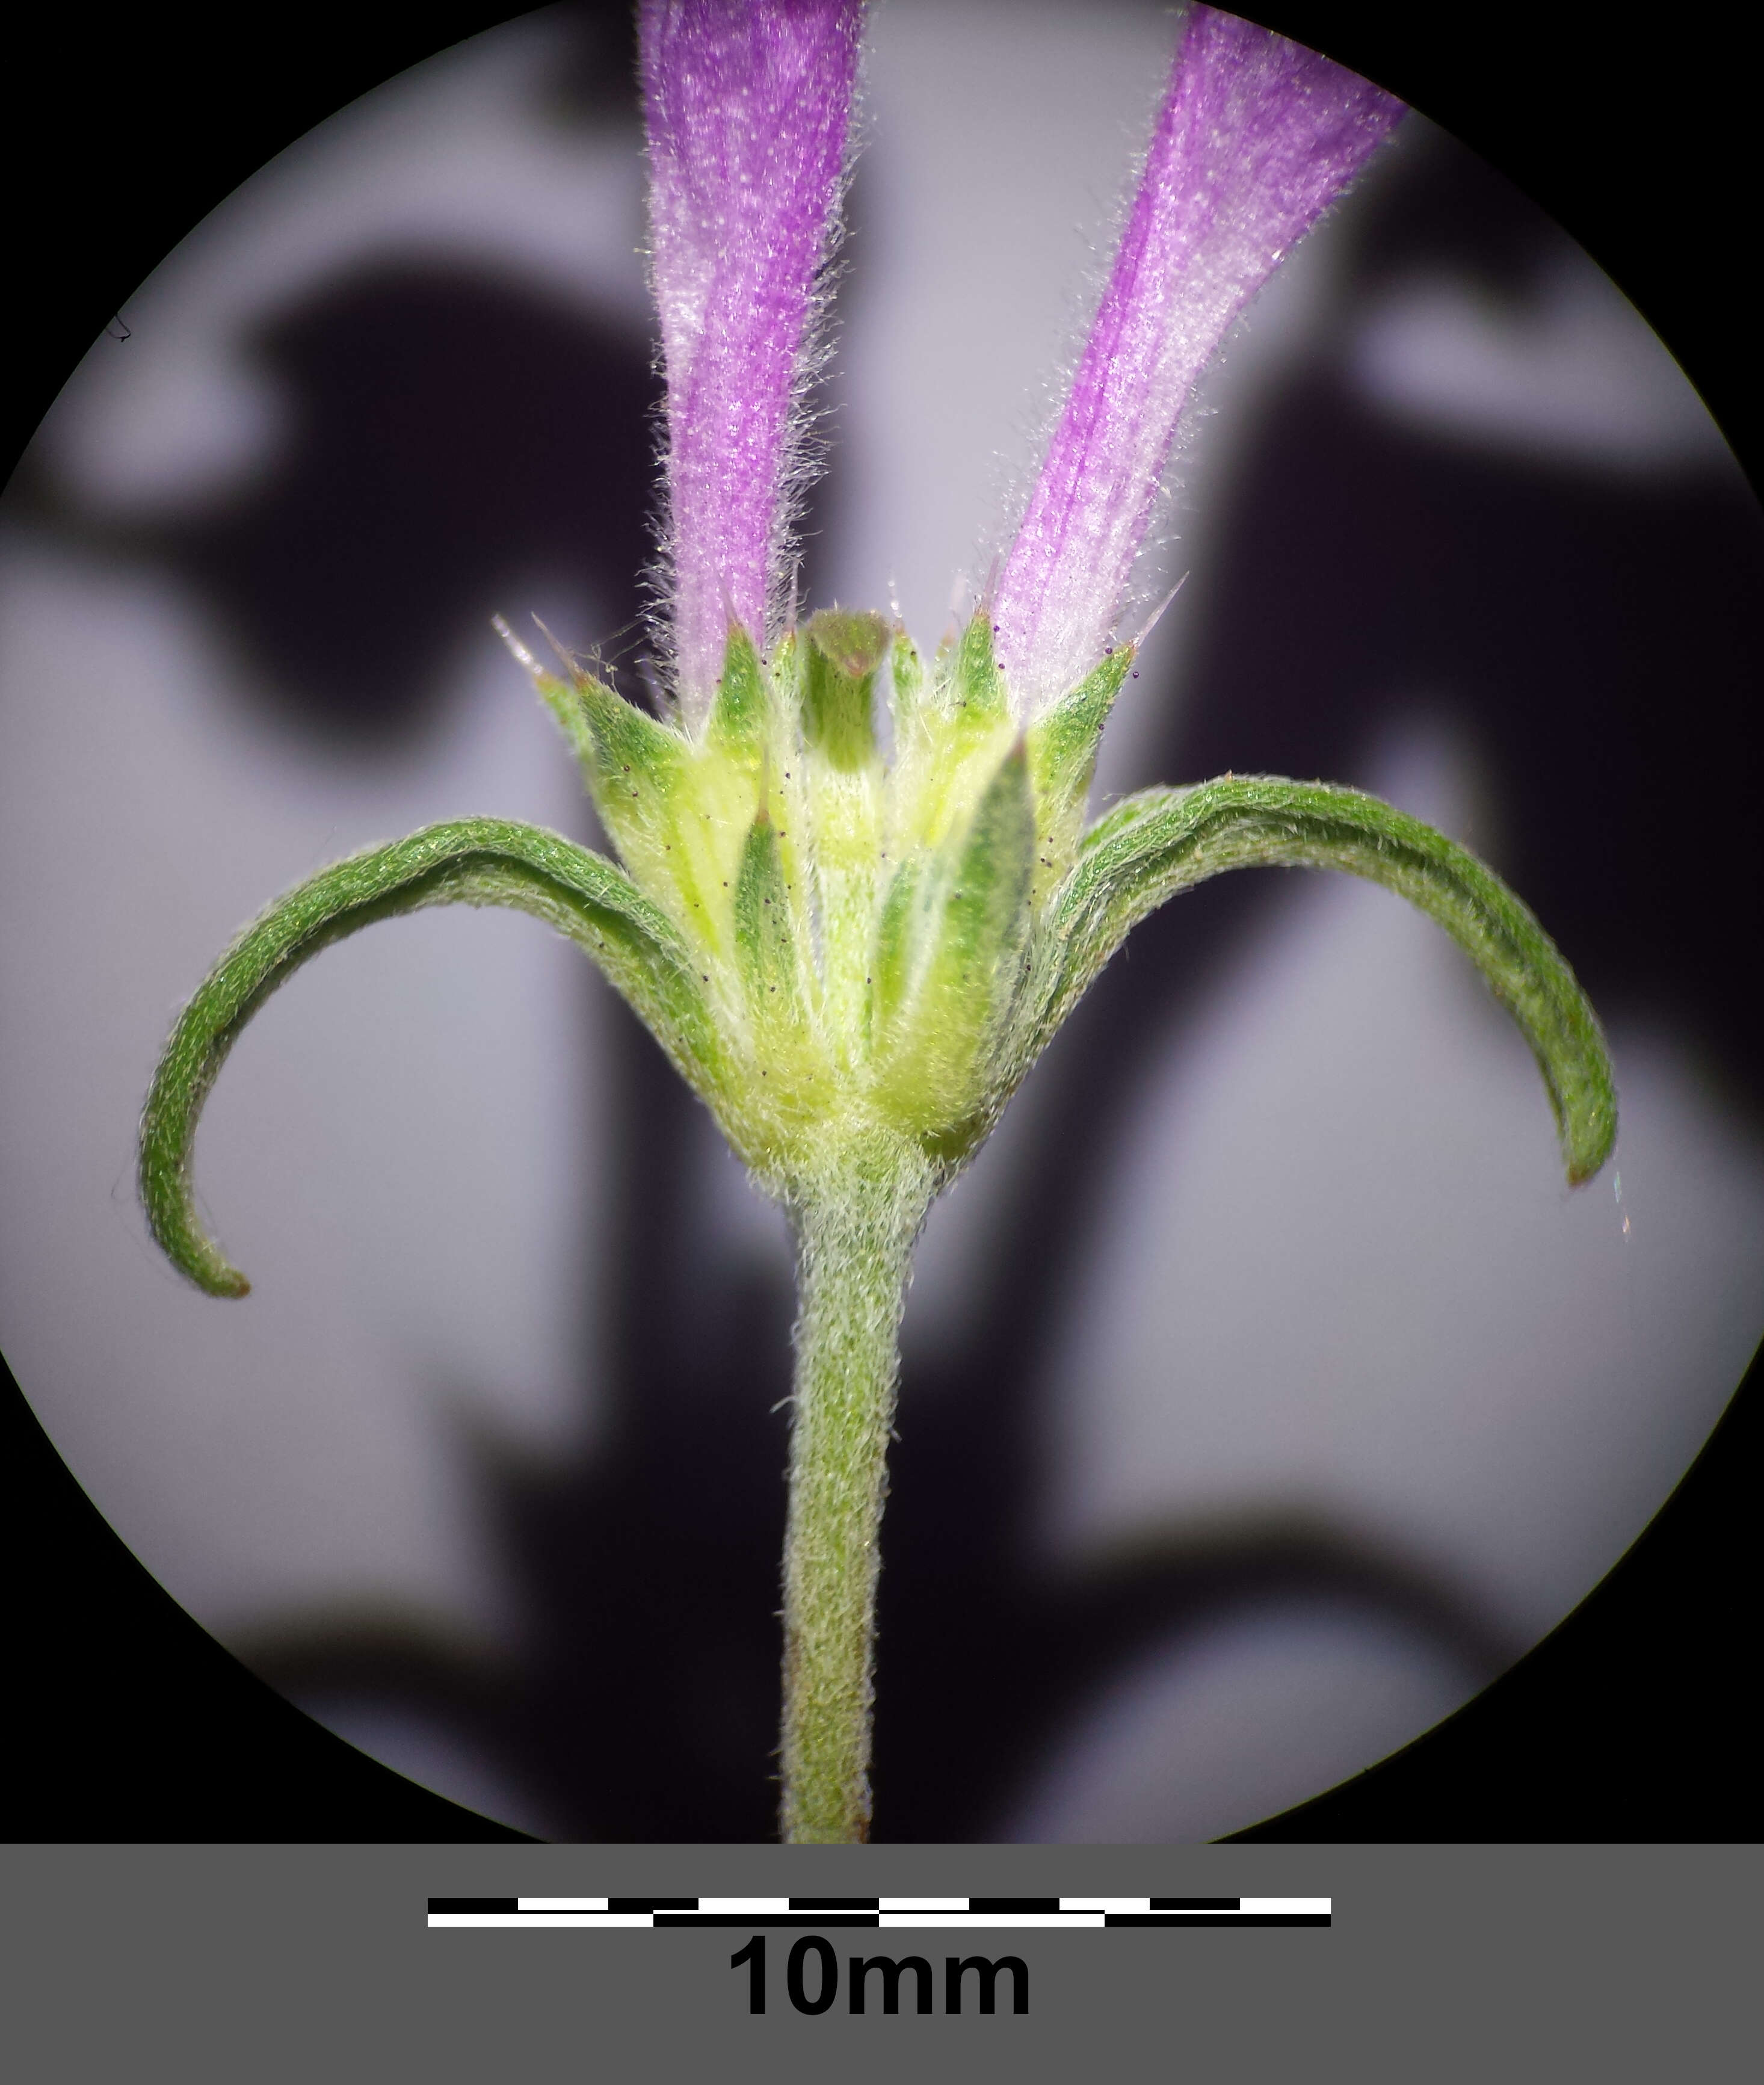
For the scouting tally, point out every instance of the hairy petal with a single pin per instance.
(1255, 137)
(1152, 846)
(473, 861)
(747, 104)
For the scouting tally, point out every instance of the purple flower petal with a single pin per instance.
(1257, 136)
(747, 103)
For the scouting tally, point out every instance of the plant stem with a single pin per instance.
(855, 1224)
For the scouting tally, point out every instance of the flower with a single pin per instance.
(855, 962)
(1257, 136)
(747, 108)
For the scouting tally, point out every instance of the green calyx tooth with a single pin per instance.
(949, 737)
(896, 941)
(741, 713)
(843, 651)
(841, 773)
(952, 954)
(1062, 758)
(975, 686)
(677, 807)
(765, 928)
(908, 677)
(631, 762)
(986, 916)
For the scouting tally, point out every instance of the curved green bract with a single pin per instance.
(473, 861)
(1155, 844)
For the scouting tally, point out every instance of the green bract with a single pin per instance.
(841, 954)
(854, 961)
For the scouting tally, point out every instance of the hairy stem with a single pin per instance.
(855, 1224)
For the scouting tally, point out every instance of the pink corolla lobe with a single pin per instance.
(747, 104)
(1257, 136)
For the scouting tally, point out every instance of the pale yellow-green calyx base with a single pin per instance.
(863, 931)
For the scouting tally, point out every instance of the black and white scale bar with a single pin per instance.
(821, 1913)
